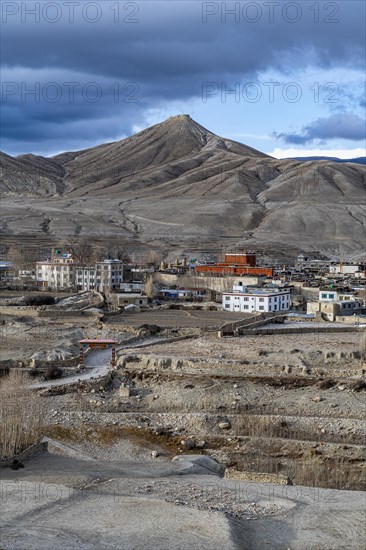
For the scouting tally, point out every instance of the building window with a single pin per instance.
(261, 299)
(261, 307)
(324, 295)
(226, 297)
(246, 307)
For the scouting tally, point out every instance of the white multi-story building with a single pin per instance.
(62, 273)
(107, 274)
(85, 277)
(57, 273)
(246, 301)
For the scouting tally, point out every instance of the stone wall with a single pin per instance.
(300, 330)
(36, 363)
(257, 477)
(219, 284)
(19, 311)
(351, 319)
(253, 319)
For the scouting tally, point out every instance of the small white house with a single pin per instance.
(332, 303)
(128, 298)
(346, 269)
(335, 296)
(133, 286)
(263, 301)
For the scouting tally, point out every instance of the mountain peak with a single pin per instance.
(182, 122)
(180, 117)
(176, 180)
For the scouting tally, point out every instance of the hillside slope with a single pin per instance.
(177, 182)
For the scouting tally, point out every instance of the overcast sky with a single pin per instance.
(284, 77)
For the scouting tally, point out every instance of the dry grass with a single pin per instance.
(20, 414)
(109, 435)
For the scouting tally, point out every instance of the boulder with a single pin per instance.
(317, 399)
(152, 329)
(198, 464)
(81, 301)
(188, 443)
(124, 392)
(224, 425)
(131, 308)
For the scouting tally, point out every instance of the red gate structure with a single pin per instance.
(98, 344)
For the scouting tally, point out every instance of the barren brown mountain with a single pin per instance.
(175, 184)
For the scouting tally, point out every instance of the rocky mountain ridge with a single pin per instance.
(176, 182)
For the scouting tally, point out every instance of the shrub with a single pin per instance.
(326, 384)
(362, 345)
(359, 385)
(52, 372)
(39, 300)
(20, 414)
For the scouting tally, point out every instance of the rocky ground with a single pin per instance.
(288, 409)
(296, 412)
(64, 498)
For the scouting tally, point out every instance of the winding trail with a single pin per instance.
(98, 364)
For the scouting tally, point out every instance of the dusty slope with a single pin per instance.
(62, 502)
(176, 180)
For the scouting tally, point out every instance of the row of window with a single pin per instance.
(246, 298)
(53, 268)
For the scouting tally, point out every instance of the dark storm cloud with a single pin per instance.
(342, 125)
(139, 55)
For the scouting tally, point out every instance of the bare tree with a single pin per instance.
(81, 251)
(20, 414)
(149, 287)
(115, 251)
(154, 258)
(362, 345)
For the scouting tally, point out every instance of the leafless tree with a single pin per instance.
(81, 251)
(154, 258)
(362, 345)
(149, 287)
(115, 251)
(20, 414)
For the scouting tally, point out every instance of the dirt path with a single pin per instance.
(97, 363)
